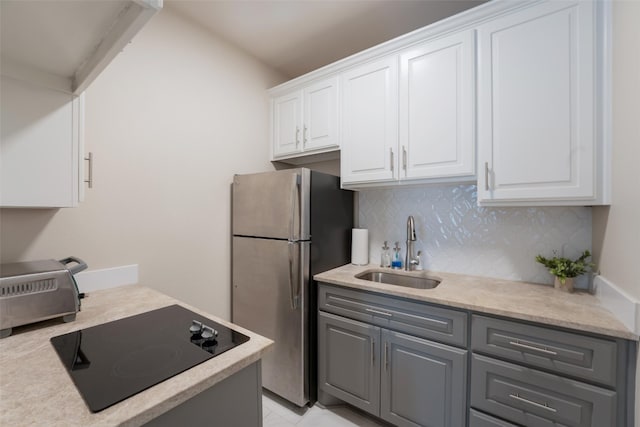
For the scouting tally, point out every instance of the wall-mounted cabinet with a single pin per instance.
(528, 82)
(41, 163)
(370, 122)
(437, 93)
(45, 67)
(409, 116)
(305, 121)
(541, 107)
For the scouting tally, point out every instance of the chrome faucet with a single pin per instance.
(411, 261)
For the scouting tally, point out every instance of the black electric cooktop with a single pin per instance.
(113, 361)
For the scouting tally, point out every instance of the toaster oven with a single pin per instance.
(38, 290)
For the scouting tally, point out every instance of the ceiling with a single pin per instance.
(298, 36)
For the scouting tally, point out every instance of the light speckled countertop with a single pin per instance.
(519, 300)
(36, 390)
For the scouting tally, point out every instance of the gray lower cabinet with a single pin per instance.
(411, 364)
(534, 398)
(235, 401)
(478, 419)
(349, 361)
(422, 382)
(533, 375)
(403, 379)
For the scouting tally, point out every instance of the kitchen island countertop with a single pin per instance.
(35, 388)
(519, 300)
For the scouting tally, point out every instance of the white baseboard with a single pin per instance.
(617, 301)
(105, 278)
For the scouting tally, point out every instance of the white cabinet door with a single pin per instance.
(41, 142)
(437, 98)
(536, 104)
(320, 128)
(370, 122)
(287, 124)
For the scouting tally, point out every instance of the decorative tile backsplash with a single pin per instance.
(456, 235)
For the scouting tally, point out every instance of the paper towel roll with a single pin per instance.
(360, 246)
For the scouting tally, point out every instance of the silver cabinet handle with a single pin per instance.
(373, 347)
(89, 179)
(486, 176)
(383, 313)
(297, 136)
(531, 402)
(391, 157)
(304, 134)
(404, 158)
(386, 356)
(517, 343)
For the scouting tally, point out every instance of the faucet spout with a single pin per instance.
(411, 229)
(411, 261)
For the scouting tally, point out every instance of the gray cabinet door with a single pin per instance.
(349, 361)
(535, 399)
(423, 382)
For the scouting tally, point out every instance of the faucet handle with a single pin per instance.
(416, 261)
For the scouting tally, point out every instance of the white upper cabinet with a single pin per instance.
(41, 161)
(370, 122)
(305, 121)
(415, 124)
(540, 127)
(320, 129)
(287, 124)
(50, 53)
(437, 138)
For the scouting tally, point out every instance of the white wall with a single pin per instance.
(169, 122)
(616, 229)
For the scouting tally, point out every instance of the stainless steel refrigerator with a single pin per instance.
(287, 226)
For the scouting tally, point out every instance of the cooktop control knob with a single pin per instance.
(196, 328)
(208, 333)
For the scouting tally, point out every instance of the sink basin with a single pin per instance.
(399, 279)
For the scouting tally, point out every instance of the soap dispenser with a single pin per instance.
(385, 256)
(397, 259)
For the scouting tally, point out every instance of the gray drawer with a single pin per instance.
(415, 318)
(533, 398)
(478, 419)
(581, 356)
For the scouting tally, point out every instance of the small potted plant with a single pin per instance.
(566, 270)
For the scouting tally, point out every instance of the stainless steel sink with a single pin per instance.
(399, 279)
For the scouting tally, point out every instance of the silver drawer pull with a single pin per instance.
(383, 313)
(530, 402)
(517, 343)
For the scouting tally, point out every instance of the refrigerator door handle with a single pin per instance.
(295, 201)
(292, 282)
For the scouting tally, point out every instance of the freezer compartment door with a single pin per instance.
(270, 287)
(272, 204)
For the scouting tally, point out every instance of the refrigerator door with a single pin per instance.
(270, 285)
(272, 204)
